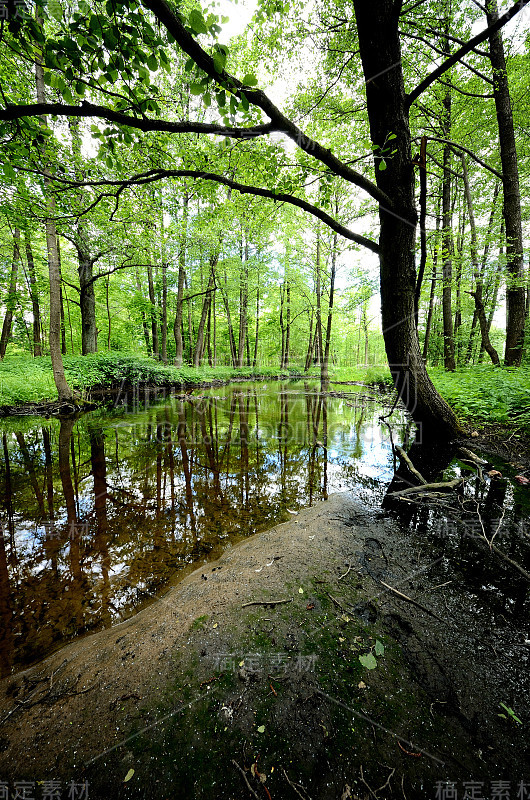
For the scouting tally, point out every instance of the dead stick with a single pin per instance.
(445, 486)
(242, 771)
(410, 600)
(412, 469)
(266, 602)
(293, 786)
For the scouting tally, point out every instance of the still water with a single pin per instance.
(100, 514)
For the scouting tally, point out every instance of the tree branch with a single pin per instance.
(11, 113)
(465, 150)
(458, 54)
(159, 174)
(281, 123)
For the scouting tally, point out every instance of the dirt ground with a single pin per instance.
(203, 695)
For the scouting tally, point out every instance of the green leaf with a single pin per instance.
(197, 22)
(244, 102)
(128, 776)
(382, 164)
(250, 80)
(188, 66)
(196, 89)
(379, 648)
(261, 729)
(221, 99)
(207, 99)
(152, 63)
(55, 10)
(368, 660)
(219, 61)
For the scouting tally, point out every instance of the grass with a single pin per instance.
(487, 394)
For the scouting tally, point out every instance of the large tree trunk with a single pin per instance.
(37, 344)
(11, 300)
(515, 292)
(378, 29)
(64, 391)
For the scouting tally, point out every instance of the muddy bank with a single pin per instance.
(201, 694)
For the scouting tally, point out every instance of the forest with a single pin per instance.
(264, 399)
(154, 203)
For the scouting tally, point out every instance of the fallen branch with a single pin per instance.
(444, 486)
(266, 602)
(411, 468)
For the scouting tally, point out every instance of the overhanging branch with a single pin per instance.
(461, 52)
(150, 176)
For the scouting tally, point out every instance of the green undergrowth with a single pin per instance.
(486, 393)
(25, 380)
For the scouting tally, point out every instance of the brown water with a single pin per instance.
(99, 515)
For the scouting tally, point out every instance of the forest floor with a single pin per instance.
(342, 654)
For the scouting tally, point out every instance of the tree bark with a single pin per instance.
(177, 326)
(448, 248)
(35, 307)
(479, 286)
(515, 290)
(324, 372)
(428, 324)
(379, 43)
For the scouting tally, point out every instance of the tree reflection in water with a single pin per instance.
(101, 513)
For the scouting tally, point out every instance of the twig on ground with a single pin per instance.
(266, 602)
(294, 786)
(242, 771)
(410, 600)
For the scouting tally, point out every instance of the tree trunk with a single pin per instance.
(477, 294)
(145, 326)
(177, 326)
(204, 314)
(243, 307)
(87, 297)
(318, 292)
(379, 42)
(37, 344)
(154, 311)
(515, 292)
(11, 299)
(482, 266)
(428, 324)
(447, 238)
(324, 373)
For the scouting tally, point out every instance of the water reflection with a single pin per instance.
(100, 513)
